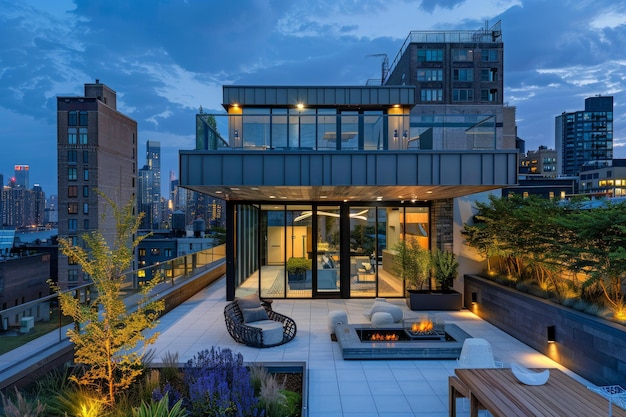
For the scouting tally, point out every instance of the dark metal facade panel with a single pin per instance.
(471, 169)
(425, 173)
(318, 96)
(406, 168)
(202, 168)
(358, 173)
(252, 168)
(386, 169)
(341, 171)
(450, 169)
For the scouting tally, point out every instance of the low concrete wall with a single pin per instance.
(590, 346)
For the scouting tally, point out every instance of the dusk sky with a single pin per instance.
(165, 59)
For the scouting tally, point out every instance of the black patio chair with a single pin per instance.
(252, 334)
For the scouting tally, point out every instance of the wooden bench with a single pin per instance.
(456, 389)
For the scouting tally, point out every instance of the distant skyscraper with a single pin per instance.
(585, 137)
(144, 197)
(153, 160)
(149, 187)
(96, 153)
(20, 207)
(21, 176)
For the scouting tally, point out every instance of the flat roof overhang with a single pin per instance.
(347, 175)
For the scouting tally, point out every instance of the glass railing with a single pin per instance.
(343, 132)
(29, 321)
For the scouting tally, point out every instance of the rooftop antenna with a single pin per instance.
(384, 71)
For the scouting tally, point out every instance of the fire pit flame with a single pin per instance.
(377, 337)
(424, 326)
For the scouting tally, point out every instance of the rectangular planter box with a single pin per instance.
(433, 300)
(590, 346)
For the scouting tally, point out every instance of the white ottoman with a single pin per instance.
(385, 307)
(381, 318)
(336, 317)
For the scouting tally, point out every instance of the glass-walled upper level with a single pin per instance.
(337, 130)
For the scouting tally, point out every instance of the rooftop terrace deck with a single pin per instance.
(382, 388)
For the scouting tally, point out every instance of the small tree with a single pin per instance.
(108, 334)
(412, 263)
(445, 267)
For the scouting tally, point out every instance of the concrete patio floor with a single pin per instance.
(373, 388)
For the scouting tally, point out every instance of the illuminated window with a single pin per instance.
(82, 134)
(72, 208)
(71, 135)
(142, 252)
(431, 95)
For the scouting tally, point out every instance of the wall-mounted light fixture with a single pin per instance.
(551, 334)
(474, 298)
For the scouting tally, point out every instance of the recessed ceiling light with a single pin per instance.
(323, 196)
(283, 197)
(218, 192)
(254, 188)
(272, 196)
(234, 188)
(429, 192)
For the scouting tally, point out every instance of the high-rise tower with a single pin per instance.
(96, 153)
(585, 137)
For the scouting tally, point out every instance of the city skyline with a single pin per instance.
(165, 60)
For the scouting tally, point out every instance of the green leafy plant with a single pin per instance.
(298, 265)
(412, 263)
(160, 409)
(109, 339)
(445, 268)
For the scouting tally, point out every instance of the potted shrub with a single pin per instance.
(412, 264)
(297, 268)
(415, 265)
(445, 269)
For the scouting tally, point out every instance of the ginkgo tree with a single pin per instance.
(109, 338)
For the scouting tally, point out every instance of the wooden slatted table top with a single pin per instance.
(503, 395)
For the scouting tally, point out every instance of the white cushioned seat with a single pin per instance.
(381, 318)
(272, 331)
(385, 307)
(336, 317)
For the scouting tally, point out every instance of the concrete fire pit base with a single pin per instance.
(353, 348)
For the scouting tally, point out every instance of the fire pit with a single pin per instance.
(403, 341)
